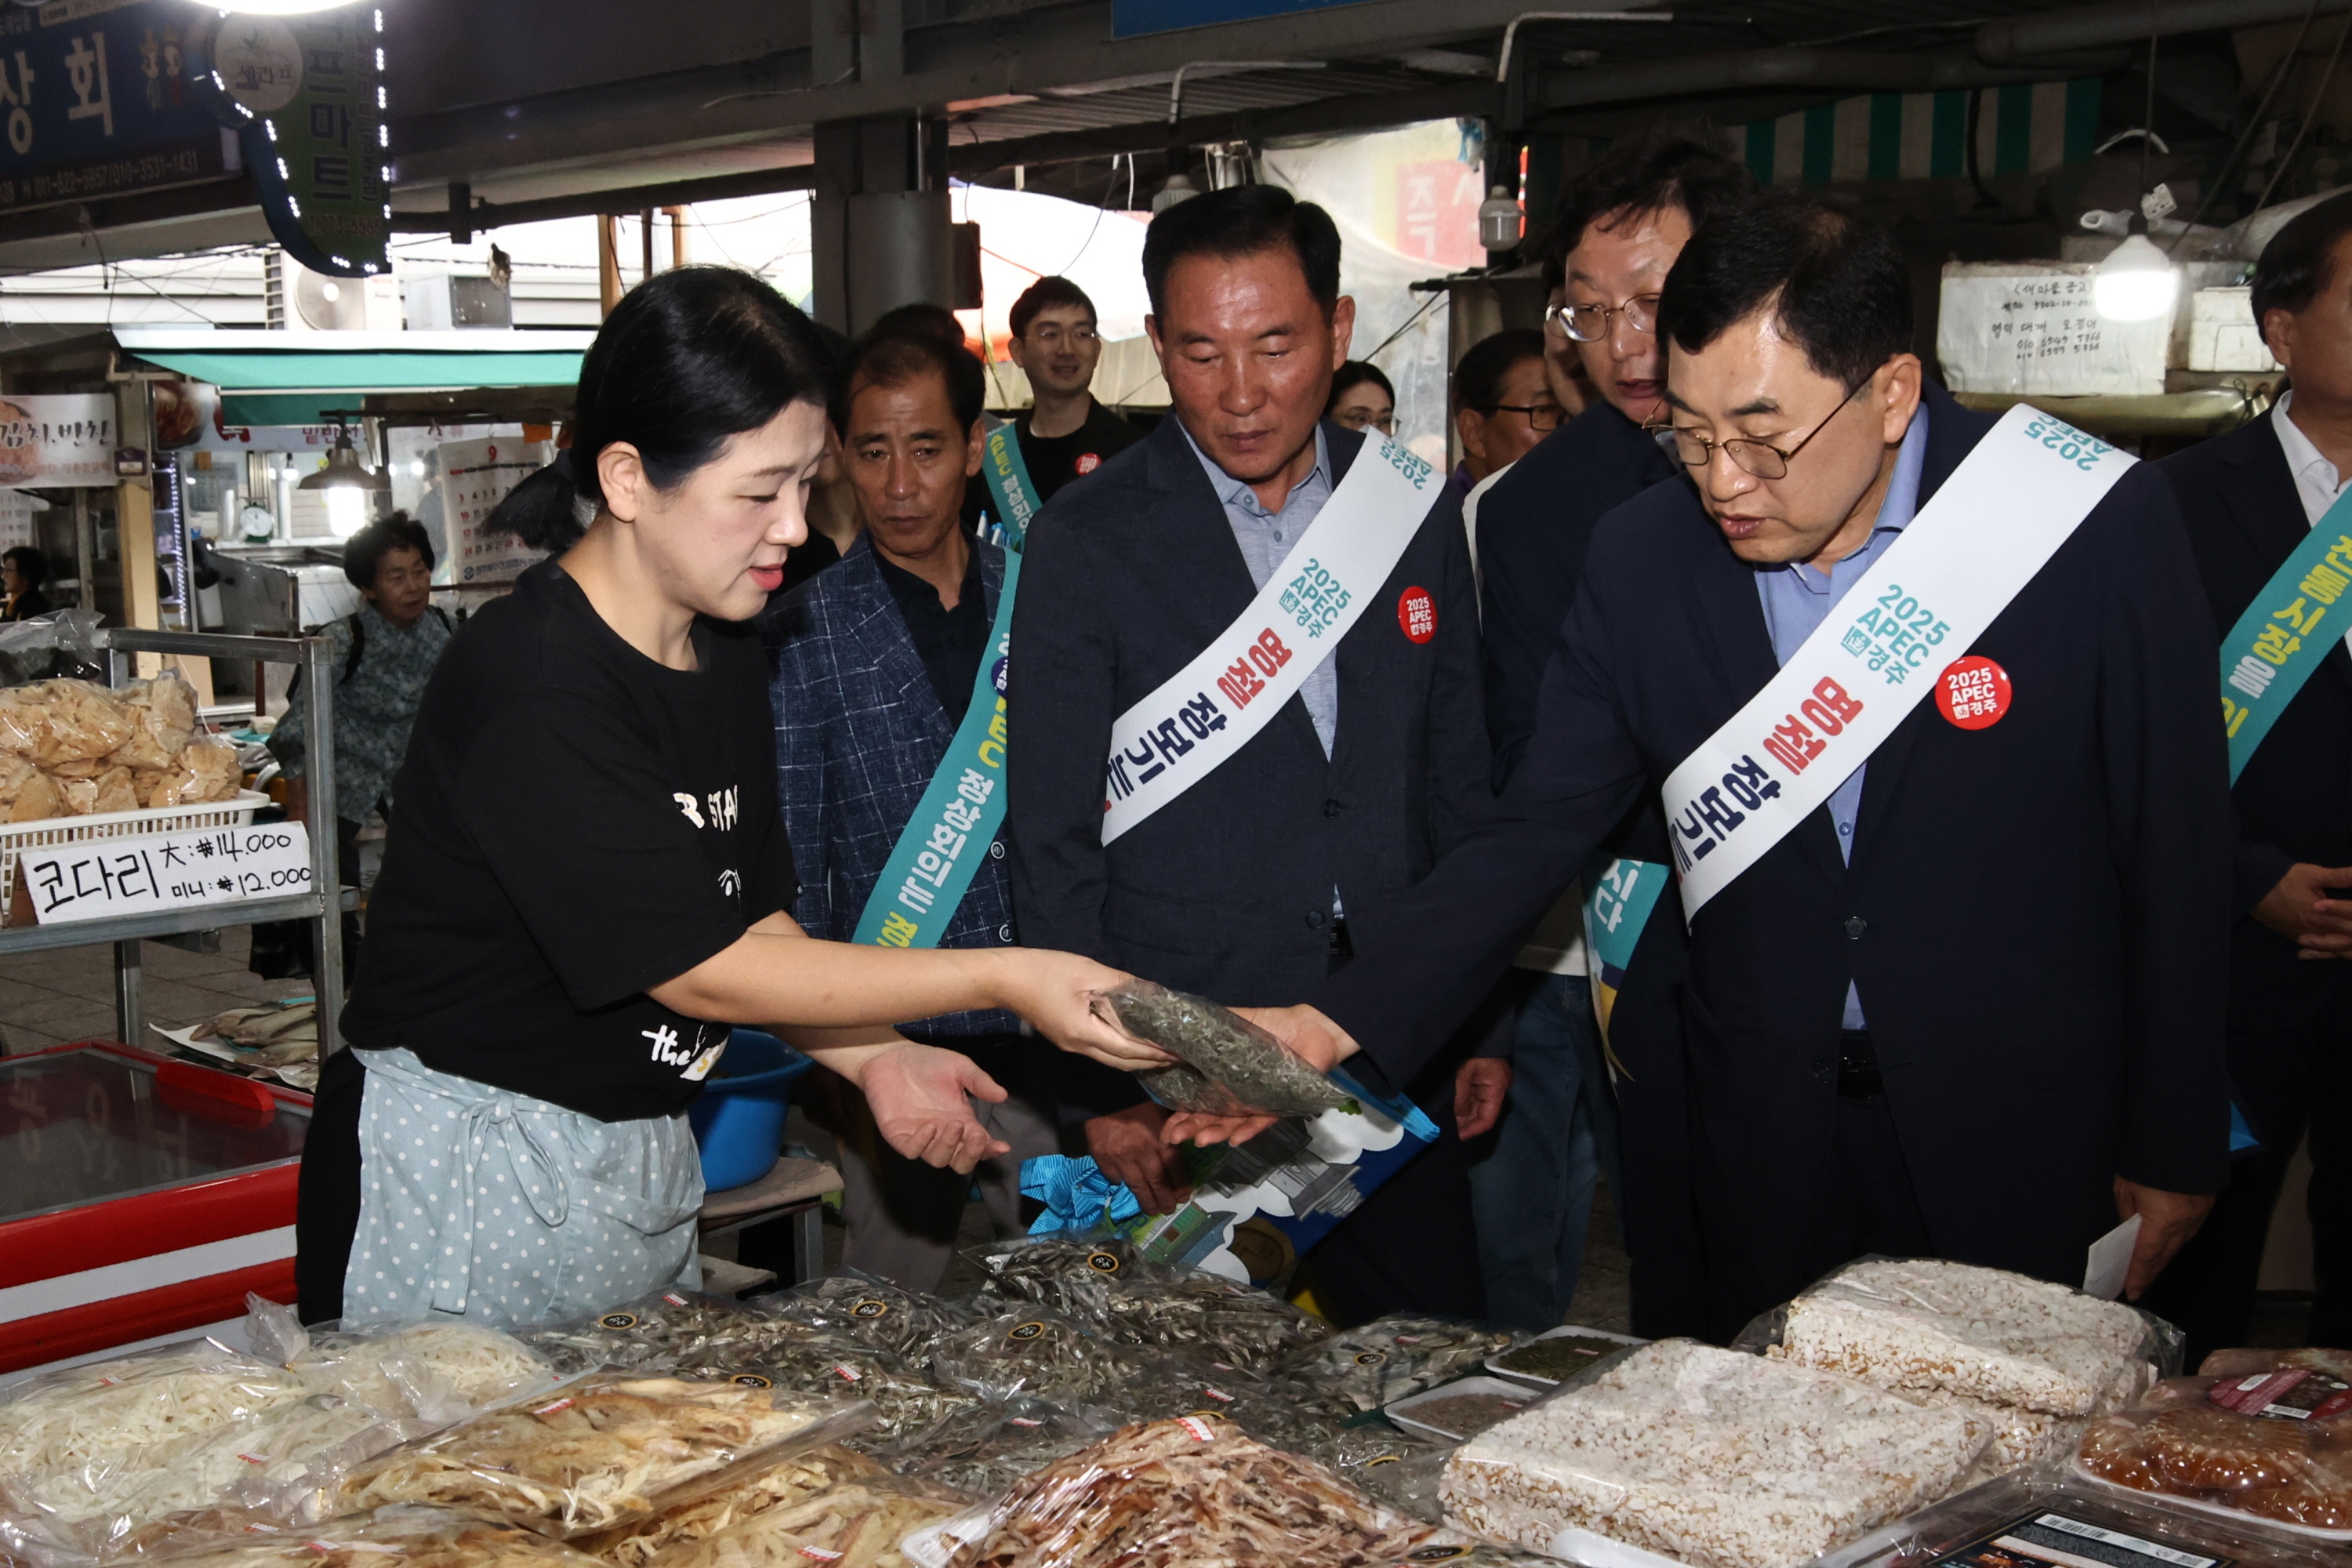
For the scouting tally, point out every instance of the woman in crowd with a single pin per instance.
(1361, 399)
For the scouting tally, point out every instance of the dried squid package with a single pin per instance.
(1225, 1064)
(1110, 1287)
(1035, 1352)
(984, 1450)
(1379, 1363)
(439, 1372)
(410, 1536)
(783, 1484)
(602, 1452)
(856, 1524)
(876, 1311)
(1174, 1494)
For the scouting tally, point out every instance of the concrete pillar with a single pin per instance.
(880, 239)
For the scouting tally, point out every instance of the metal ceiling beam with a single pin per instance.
(2020, 39)
(1826, 70)
(627, 199)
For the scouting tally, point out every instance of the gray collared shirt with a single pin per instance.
(1266, 537)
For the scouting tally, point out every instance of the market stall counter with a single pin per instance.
(139, 1197)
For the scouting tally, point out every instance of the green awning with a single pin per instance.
(274, 387)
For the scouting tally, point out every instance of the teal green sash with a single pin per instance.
(1617, 909)
(2279, 641)
(932, 867)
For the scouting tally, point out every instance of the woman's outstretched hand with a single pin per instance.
(1054, 991)
(918, 1097)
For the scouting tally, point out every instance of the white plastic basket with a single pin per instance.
(15, 837)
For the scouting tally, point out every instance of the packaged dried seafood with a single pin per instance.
(1107, 1285)
(2273, 1446)
(659, 1331)
(410, 1535)
(874, 1310)
(1226, 1063)
(598, 1452)
(1923, 1324)
(781, 1484)
(984, 1450)
(858, 1524)
(1712, 1457)
(2316, 1358)
(440, 1372)
(1175, 1494)
(1032, 1350)
(101, 1416)
(838, 1370)
(1380, 1361)
(1177, 1385)
(1391, 1467)
(206, 769)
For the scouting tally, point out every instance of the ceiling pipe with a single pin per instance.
(1808, 70)
(2020, 39)
(1511, 29)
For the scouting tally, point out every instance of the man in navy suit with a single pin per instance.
(1246, 885)
(1969, 1008)
(1622, 222)
(875, 661)
(2249, 499)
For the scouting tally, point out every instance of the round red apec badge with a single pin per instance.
(1974, 692)
(1417, 614)
(1088, 462)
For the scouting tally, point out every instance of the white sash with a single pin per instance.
(2002, 513)
(1207, 711)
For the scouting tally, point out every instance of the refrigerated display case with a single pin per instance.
(140, 1197)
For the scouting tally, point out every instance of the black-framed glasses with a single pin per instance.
(1540, 416)
(1590, 323)
(1760, 458)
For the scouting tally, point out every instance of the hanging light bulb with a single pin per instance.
(1179, 188)
(1498, 220)
(2137, 282)
(276, 7)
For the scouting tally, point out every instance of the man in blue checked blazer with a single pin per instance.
(873, 664)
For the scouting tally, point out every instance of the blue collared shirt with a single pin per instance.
(1266, 537)
(1797, 598)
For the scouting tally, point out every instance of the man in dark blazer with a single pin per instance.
(1620, 224)
(1243, 886)
(2249, 499)
(873, 664)
(1998, 1022)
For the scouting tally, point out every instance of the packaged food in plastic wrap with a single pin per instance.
(1226, 1064)
(56, 722)
(162, 714)
(205, 770)
(37, 798)
(659, 1331)
(2316, 1358)
(598, 1452)
(101, 1416)
(1179, 1384)
(903, 1322)
(985, 1448)
(1173, 1494)
(1391, 1467)
(1379, 1363)
(437, 1372)
(405, 1534)
(856, 1524)
(1712, 1457)
(1108, 1286)
(785, 1482)
(64, 643)
(2042, 1518)
(1923, 1324)
(838, 1370)
(1032, 1350)
(2273, 1445)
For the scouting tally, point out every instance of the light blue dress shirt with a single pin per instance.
(1797, 598)
(1266, 537)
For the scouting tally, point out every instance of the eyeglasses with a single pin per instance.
(1590, 323)
(1760, 458)
(1053, 337)
(1540, 416)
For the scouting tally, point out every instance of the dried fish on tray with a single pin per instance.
(781, 1484)
(1379, 1363)
(874, 1310)
(1709, 1457)
(659, 1331)
(1226, 1063)
(858, 1524)
(1036, 1351)
(411, 1535)
(1180, 1493)
(598, 1452)
(986, 1448)
(1108, 1286)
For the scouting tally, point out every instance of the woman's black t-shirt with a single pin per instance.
(575, 824)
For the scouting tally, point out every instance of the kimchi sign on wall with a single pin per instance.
(57, 439)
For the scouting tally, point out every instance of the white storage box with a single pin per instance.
(2223, 334)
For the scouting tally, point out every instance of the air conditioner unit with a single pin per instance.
(297, 300)
(455, 299)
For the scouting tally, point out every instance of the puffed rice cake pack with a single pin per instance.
(1925, 1326)
(1716, 1459)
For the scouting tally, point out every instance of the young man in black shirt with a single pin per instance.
(875, 662)
(1066, 434)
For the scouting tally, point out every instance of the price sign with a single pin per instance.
(101, 877)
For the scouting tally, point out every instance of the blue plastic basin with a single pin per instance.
(739, 1119)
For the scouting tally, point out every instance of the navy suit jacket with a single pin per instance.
(2295, 800)
(1131, 572)
(859, 733)
(2035, 912)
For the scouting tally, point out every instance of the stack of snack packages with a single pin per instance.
(69, 748)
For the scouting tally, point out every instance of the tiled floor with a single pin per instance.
(68, 993)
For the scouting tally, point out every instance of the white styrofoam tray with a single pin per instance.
(1566, 1331)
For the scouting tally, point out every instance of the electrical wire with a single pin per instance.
(1409, 321)
(2147, 116)
(2254, 127)
(2327, 80)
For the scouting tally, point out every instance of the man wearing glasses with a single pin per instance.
(1966, 1001)
(1064, 434)
(1620, 224)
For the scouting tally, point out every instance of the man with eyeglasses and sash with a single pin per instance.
(1928, 698)
(1064, 434)
(2269, 524)
(1620, 224)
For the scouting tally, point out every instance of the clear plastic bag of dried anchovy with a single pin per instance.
(1393, 1467)
(1376, 1364)
(838, 1370)
(1034, 1351)
(1227, 1065)
(1179, 1384)
(874, 1311)
(1106, 1284)
(660, 1332)
(985, 1448)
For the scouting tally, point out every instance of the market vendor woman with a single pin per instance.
(587, 881)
